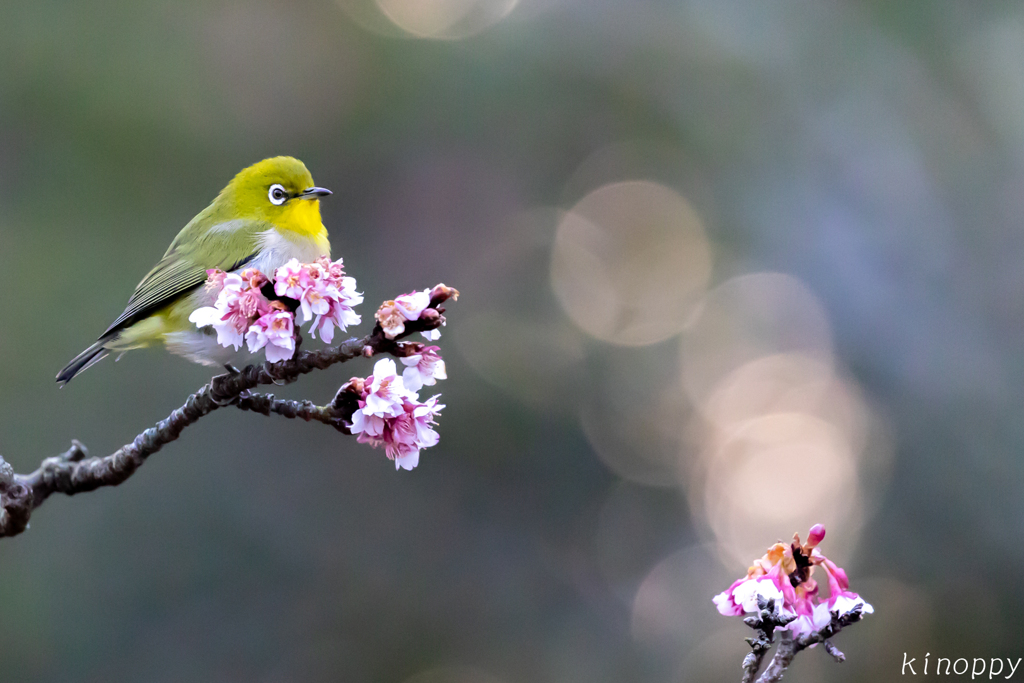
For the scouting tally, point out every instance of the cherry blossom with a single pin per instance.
(386, 390)
(237, 304)
(388, 410)
(412, 304)
(321, 292)
(784, 574)
(423, 369)
(392, 416)
(274, 332)
(325, 295)
(393, 314)
(291, 280)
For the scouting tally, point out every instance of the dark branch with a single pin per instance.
(789, 646)
(74, 472)
(265, 404)
(764, 622)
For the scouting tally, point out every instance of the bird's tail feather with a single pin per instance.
(93, 354)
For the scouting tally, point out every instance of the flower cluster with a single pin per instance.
(383, 409)
(325, 294)
(394, 313)
(783, 574)
(389, 411)
(243, 311)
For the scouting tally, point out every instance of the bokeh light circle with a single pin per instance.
(747, 318)
(508, 316)
(779, 471)
(445, 19)
(670, 610)
(630, 263)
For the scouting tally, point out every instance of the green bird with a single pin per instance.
(268, 214)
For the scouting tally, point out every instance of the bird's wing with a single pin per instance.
(179, 271)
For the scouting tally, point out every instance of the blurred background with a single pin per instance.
(729, 268)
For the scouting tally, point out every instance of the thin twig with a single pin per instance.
(265, 404)
(833, 651)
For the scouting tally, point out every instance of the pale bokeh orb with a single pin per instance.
(778, 474)
(445, 19)
(747, 318)
(630, 263)
(431, 19)
(672, 609)
(511, 334)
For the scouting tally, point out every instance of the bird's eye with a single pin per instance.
(277, 195)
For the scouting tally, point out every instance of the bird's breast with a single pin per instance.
(277, 248)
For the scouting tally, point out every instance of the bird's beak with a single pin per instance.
(314, 193)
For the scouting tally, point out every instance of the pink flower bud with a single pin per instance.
(215, 279)
(356, 385)
(254, 278)
(443, 292)
(816, 535)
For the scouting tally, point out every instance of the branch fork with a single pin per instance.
(765, 623)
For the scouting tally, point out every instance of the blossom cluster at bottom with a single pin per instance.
(390, 413)
(783, 575)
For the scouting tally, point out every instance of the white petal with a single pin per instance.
(384, 368)
(358, 423)
(746, 593)
(277, 353)
(425, 436)
(407, 461)
(207, 315)
(440, 371)
(412, 379)
(327, 331)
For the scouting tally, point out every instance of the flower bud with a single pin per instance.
(441, 293)
(356, 385)
(215, 279)
(406, 349)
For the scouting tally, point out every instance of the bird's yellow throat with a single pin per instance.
(302, 217)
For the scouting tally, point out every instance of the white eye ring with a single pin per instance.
(277, 195)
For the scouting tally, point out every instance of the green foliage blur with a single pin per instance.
(873, 150)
